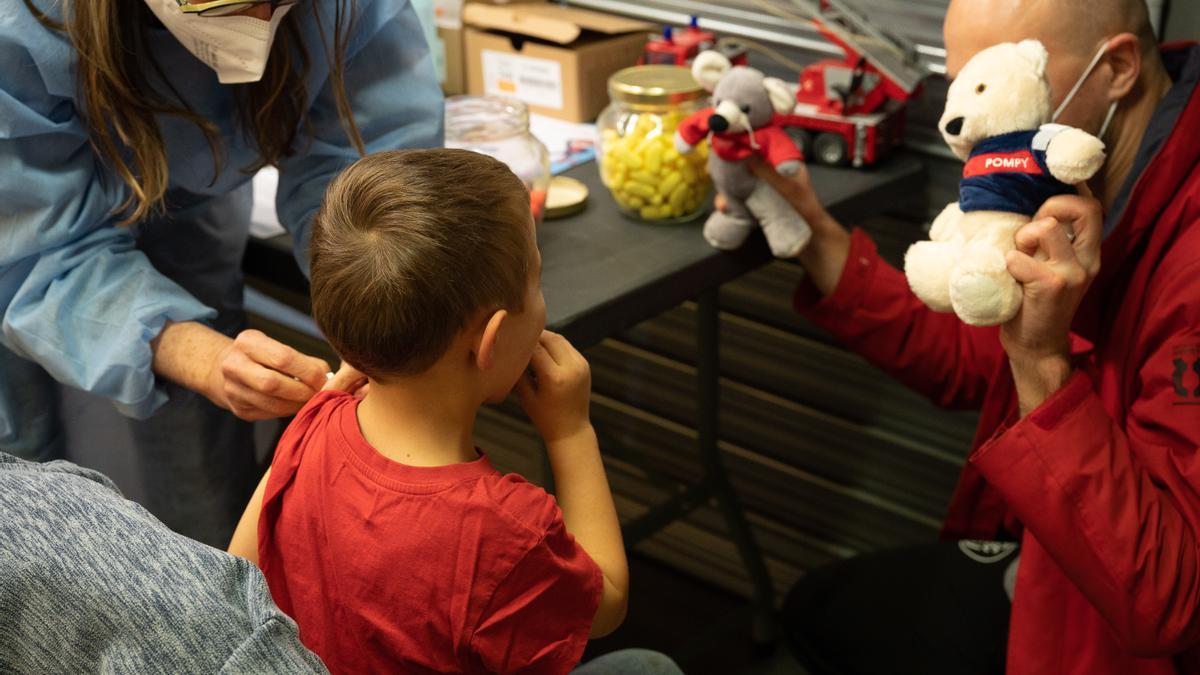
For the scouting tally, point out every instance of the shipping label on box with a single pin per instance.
(535, 81)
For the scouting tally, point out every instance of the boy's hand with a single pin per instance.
(556, 389)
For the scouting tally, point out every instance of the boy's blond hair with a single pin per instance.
(411, 245)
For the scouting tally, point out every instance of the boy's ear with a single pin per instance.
(485, 351)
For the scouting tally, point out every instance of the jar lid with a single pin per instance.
(654, 85)
(566, 196)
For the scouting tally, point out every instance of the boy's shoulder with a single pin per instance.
(520, 503)
(322, 405)
(311, 425)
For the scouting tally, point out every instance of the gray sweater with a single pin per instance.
(91, 582)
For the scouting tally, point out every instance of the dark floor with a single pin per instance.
(705, 629)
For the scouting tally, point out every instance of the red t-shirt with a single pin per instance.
(402, 569)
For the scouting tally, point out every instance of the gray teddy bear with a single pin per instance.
(743, 123)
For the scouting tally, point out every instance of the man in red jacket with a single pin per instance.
(1086, 451)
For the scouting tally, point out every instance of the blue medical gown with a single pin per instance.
(76, 295)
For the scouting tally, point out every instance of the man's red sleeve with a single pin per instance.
(1118, 506)
(873, 312)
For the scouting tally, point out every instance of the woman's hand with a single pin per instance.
(348, 379)
(1057, 257)
(259, 378)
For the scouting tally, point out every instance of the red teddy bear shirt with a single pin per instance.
(774, 144)
(401, 569)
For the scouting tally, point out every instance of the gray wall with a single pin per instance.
(1183, 20)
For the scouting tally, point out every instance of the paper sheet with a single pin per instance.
(570, 145)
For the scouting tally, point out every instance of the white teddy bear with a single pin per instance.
(993, 121)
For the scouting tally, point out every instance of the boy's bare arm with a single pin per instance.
(557, 398)
(588, 511)
(245, 537)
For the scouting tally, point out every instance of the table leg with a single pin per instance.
(708, 426)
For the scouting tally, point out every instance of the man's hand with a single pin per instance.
(824, 257)
(1055, 272)
(259, 378)
(556, 389)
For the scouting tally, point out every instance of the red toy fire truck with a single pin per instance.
(679, 48)
(852, 110)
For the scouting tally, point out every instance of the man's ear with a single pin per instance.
(1124, 58)
(485, 350)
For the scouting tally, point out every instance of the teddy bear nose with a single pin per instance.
(954, 126)
(718, 123)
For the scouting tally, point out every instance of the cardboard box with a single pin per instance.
(455, 82)
(556, 59)
(453, 75)
(448, 15)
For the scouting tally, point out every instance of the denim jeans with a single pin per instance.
(630, 662)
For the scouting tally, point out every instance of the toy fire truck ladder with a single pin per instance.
(894, 56)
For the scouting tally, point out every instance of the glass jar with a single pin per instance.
(638, 162)
(499, 127)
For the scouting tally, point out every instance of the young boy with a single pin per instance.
(381, 529)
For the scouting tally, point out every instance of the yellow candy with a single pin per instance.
(668, 184)
(653, 157)
(678, 197)
(644, 171)
(631, 160)
(641, 190)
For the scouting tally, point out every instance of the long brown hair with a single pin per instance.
(115, 73)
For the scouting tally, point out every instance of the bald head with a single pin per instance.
(1073, 31)
(1069, 28)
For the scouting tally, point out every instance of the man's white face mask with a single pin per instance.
(235, 46)
(1112, 109)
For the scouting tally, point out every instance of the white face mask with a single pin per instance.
(235, 46)
(1112, 109)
